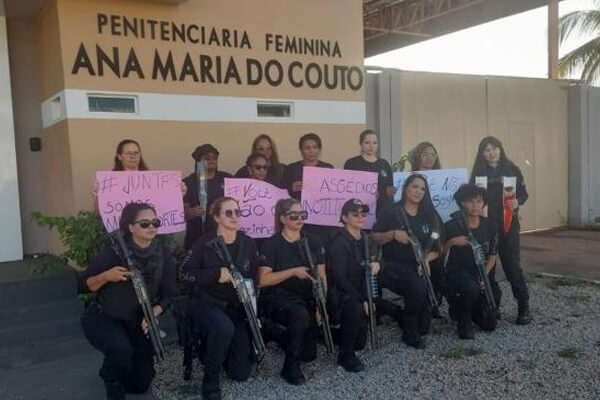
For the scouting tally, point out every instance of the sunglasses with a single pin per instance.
(145, 223)
(230, 213)
(296, 215)
(261, 167)
(355, 214)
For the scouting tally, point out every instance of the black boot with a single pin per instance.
(114, 390)
(291, 371)
(410, 333)
(524, 317)
(210, 383)
(465, 328)
(350, 362)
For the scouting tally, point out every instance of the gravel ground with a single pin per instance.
(556, 357)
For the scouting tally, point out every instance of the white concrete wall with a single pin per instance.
(11, 247)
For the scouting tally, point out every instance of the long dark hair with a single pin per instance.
(426, 207)
(415, 156)
(119, 165)
(274, 155)
(480, 164)
(281, 207)
(130, 214)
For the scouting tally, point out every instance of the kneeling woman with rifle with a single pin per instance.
(409, 233)
(219, 274)
(134, 281)
(294, 280)
(353, 284)
(473, 293)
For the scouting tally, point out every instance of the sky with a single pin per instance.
(512, 46)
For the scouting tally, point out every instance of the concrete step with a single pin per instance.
(37, 290)
(13, 315)
(32, 331)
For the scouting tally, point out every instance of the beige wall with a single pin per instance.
(528, 115)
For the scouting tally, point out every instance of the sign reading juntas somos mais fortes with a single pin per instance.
(325, 190)
(161, 189)
(257, 201)
(443, 183)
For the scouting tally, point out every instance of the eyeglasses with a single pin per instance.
(261, 149)
(230, 213)
(429, 154)
(355, 214)
(295, 215)
(263, 167)
(145, 223)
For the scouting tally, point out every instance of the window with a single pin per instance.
(274, 110)
(113, 104)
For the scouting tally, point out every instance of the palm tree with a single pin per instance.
(586, 57)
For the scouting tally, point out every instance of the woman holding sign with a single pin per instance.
(492, 164)
(368, 161)
(413, 224)
(214, 182)
(113, 323)
(287, 297)
(348, 297)
(263, 144)
(218, 316)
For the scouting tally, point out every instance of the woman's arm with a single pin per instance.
(267, 277)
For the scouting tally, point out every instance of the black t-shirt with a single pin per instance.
(118, 299)
(462, 256)
(214, 189)
(345, 270)
(205, 266)
(495, 186)
(293, 173)
(385, 177)
(421, 226)
(274, 173)
(280, 255)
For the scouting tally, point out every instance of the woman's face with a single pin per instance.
(289, 220)
(473, 206)
(130, 157)
(229, 216)
(212, 161)
(264, 147)
(415, 191)
(369, 145)
(143, 228)
(310, 150)
(258, 169)
(491, 154)
(355, 219)
(428, 158)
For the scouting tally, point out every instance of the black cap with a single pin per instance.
(203, 150)
(354, 205)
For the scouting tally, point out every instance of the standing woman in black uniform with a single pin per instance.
(287, 297)
(215, 185)
(368, 161)
(217, 314)
(491, 161)
(113, 323)
(348, 284)
(402, 274)
(465, 294)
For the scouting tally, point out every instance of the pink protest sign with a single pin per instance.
(161, 189)
(325, 190)
(257, 201)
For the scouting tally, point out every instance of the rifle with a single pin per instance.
(421, 259)
(372, 290)
(479, 258)
(141, 292)
(319, 296)
(202, 194)
(245, 298)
